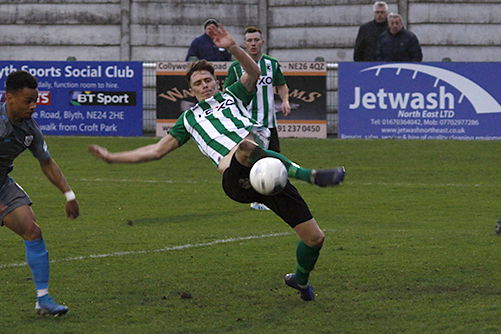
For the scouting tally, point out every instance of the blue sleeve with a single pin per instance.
(415, 52)
(38, 147)
(193, 50)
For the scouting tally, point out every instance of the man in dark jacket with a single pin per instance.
(368, 34)
(203, 47)
(397, 43)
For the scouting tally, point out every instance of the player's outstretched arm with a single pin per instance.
(223, 39)
(142, 154)
(52, 171)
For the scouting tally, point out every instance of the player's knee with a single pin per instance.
(319, 240)
(246, 146)
(33, 232)
(315, 240)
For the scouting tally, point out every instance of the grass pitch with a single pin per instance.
(410, 244)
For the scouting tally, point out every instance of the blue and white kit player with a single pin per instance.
(18, 132)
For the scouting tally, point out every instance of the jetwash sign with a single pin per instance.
(85, 98)
(420, 100)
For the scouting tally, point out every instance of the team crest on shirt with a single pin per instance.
(28, 140)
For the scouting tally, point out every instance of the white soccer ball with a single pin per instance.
(268, 176)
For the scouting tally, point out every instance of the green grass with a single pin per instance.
(410, 244)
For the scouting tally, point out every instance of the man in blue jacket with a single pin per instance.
(397, 43)
(203, 47)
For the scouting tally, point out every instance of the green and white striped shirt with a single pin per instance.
(262, 108)
(216, 124)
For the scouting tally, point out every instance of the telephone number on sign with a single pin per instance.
(298, 128)
(459, 122)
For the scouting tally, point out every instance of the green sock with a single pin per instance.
(293, 169)
(306, 257)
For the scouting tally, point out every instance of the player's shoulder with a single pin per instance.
(368, 25)
(268, 57)
(30, 125)
(234, 63)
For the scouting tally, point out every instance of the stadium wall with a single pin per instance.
(295, 30)
(149, 30)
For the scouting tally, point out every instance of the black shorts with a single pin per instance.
(13, 196)
(288, 204)
(274, 144)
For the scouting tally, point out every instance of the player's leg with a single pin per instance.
(19, 217)
(291, 207)
(308, 249)
(288, 205)
(22, 222)
(236, 183)
(248, 153)
(307, 253)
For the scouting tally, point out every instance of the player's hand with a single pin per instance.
(220, 36)
(285, 108)
(99, 152)
(72, 209)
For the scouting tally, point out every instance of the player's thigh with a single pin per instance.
(236, 183)
(22, 222)
(288, 205)
(17, 214)
(12, 196)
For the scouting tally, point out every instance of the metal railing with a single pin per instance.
(150, 98)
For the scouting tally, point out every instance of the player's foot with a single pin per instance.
(327, 177)
(259, 206)
(306, 293)
(498, 227)
(45, 305)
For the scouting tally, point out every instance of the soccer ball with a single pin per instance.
(268, 176)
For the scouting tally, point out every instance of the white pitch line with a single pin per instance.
(385, 184)
(136, 181)
(161, 250)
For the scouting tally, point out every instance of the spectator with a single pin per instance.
(203, 47)
(368, 34)
(397, 43)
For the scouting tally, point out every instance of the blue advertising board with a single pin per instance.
(85, 98)
(420, 100)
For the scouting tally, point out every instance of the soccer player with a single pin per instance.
(262, 106)
(229, 139)
(18, 132)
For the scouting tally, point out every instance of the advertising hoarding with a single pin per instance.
(420, 100)
(307, 97)
(85, 98)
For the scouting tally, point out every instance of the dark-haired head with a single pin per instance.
(18, 80)
(199, 65)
